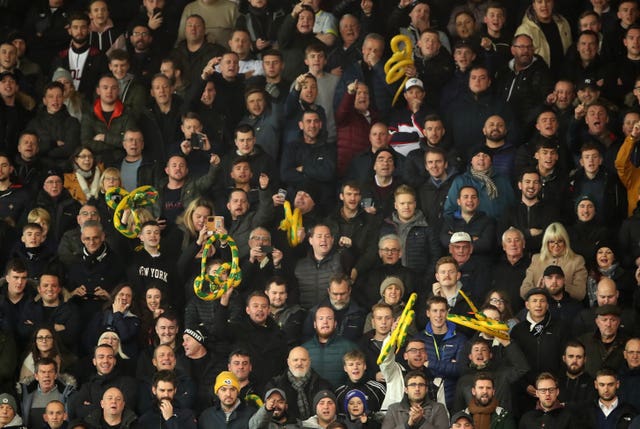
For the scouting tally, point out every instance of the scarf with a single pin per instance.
(95, 258)
(482, 414)
(298, 385)
(536, 328)
(487, 181)
(82, 176)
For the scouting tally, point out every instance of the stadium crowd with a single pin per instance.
(498, 167)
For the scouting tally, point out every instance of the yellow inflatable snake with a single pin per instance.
(399, 334)
(291, 222)
(139, 197)
(396, 66)
(216, 285)
(480, 322)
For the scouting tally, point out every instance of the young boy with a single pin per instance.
(355, 367)
(31, 252)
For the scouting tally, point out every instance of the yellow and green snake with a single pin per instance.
(139, 197)
(209, 288)
(290, 224)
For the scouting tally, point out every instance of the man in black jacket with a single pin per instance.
(165, 414)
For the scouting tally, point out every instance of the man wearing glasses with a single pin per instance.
(548, 412)
(387, 265)
(421, 411)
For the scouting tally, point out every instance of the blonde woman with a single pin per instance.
(556, 250)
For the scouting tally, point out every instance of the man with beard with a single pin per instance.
(608, 411)
(484, 407)
(300, 383)
(165, 414)
(14, 199)
(273, 414)
(201, 363)
(85, 63)
(483, 364)
(576, 385)
(327, 347)
(530, 215)
(502, 152)
(350, 316)
(229, 411)
(525, 83)
(562, 306)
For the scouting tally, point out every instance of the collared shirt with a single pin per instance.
(606, 410)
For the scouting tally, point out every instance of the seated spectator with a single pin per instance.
(300, 384)
(275, 410)
(415, 408)
(58, 203)
(57, 130)
(355, 367)
(350, 317)
(84, 183)
(50, 307)
(46, 385)
(371, 342)
(32, 252)
(55, 416)
(164, 390)
(326, 408)
(164, 359)
(556, 250)
(230, 409)
(112, 412)
(9, 417)
(89, 398)
(494, 190)
(45, 345)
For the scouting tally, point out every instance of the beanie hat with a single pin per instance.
(355, 393)
(391, 281)
(321, 395)
(196, 334)
(226, 378)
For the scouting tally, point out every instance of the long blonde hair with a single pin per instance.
(555, 231)
(187, 217)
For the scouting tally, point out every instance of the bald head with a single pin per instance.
(299, 361)
(607, 292)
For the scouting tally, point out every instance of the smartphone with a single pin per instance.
(218, 222)
(211, 223)
(282, 193)
(156, 11)
(366, 203)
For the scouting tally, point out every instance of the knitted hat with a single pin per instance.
(391, 281)
(61, 73)
(5, 398)
(321, 395)
(196, 334)
(52, 172)
(226, 378)
(355, 393)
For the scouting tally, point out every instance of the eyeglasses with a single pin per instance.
(421, 385)
(556, 242)
(53, 182)
(496, 301)
(140, 33)
(547, 390)
(44, 338)
(260, 238)
(386, 250)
